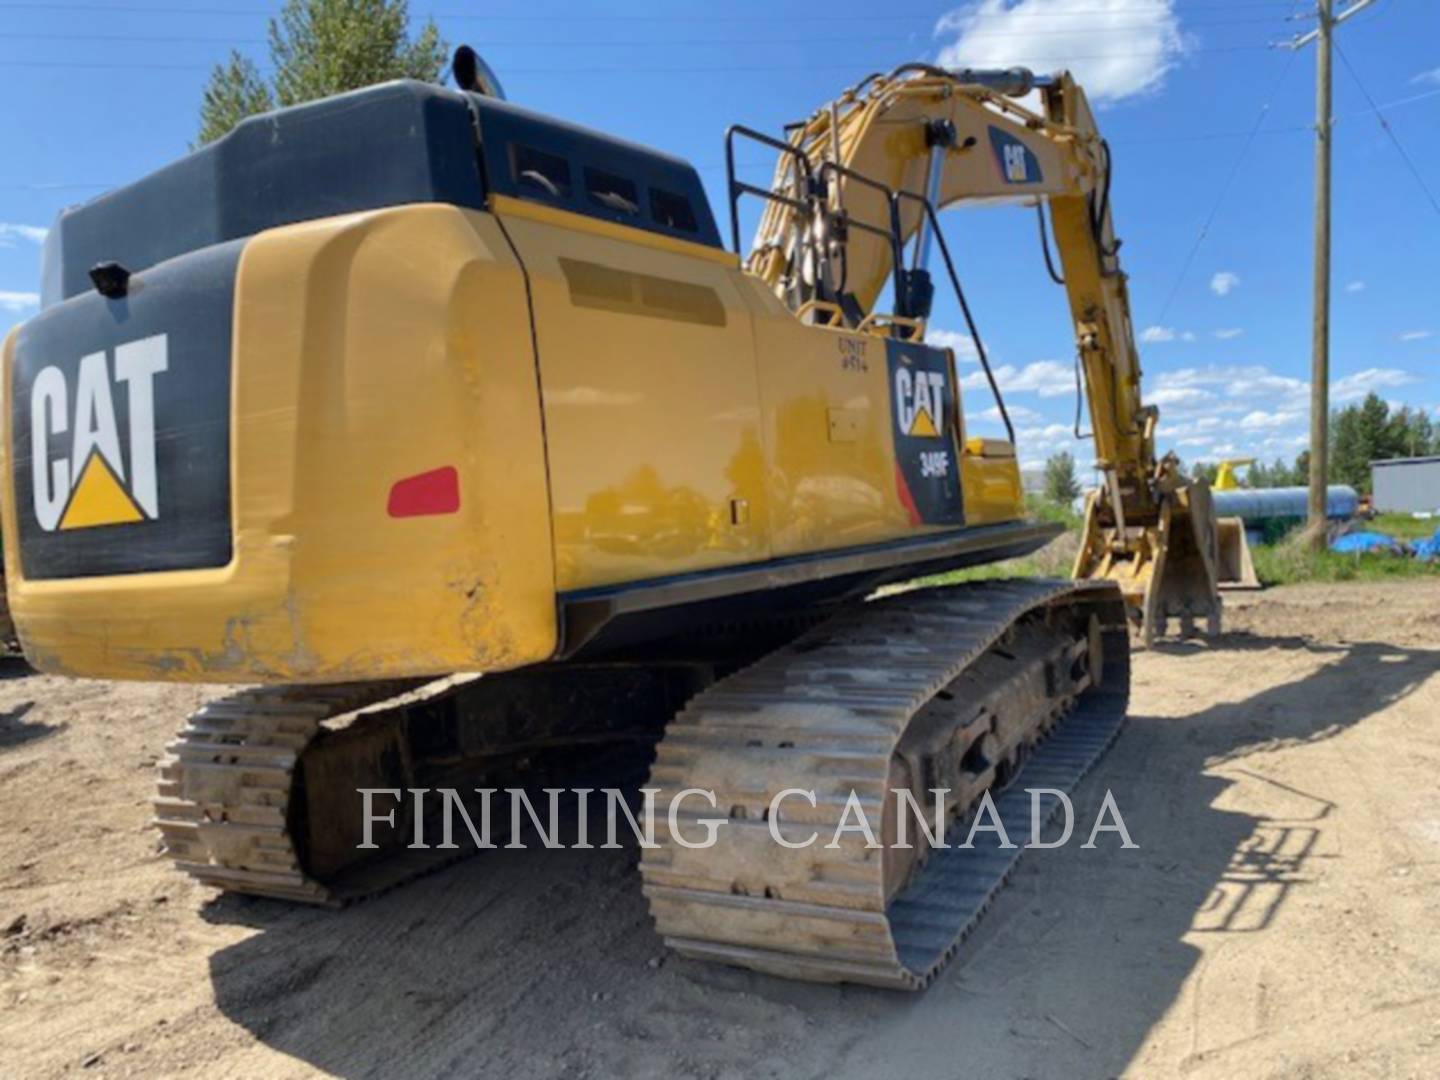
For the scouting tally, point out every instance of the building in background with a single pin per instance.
(1406, 484)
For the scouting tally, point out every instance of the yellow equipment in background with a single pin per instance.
(1225, 479)
(413, 382)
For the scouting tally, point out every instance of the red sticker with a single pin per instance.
(428, 493)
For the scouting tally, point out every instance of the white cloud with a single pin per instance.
(1048, 378)
(1431, 76)
(1355, 286)
(18, 301)
(1235, 381)
(1153, 334)
(1254, 400)
(1415, 335)
(1191, 428)
(1046, 439)
(1049, 433)
(1224, 282)
(1260, 420)
(963, 344)
(10, 232)
(1188, 336)
(1116, 48)
(1179, 397)
(1363, 382)
(1019, 414)
(1230, 333)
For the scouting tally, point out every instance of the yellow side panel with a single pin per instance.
(652, 417)
(367, 349)
(826, 400)
(992, 486)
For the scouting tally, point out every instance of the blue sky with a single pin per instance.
(96, 94)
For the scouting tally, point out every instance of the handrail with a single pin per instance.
(893, 232)
(929, 210)
(872, 323)
(812, 180)
(825, 307)
(736, 188)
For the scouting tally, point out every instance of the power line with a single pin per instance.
(724, 69)
(926, 16)
(1385, 124)
(1210, 136)
(1225, 189)
(1087, 31)
(134, 38)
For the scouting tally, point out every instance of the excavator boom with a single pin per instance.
(852, 208)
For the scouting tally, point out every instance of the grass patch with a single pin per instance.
(1055, 559)
(1010, 568)
(1039, 508)
(1291, 562)
(1403, 526)
(1285, 561)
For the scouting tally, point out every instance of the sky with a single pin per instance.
(1211, 128)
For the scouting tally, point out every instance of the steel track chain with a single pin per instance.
(827, 713)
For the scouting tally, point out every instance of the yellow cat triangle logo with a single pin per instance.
(923, 426)
(99, 498)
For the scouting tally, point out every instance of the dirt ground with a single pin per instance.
(1279, 918)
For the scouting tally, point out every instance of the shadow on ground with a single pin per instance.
(15, 730)
(544, 962)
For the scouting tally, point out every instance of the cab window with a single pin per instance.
(612, 192)
(539, 173)
(672, 211)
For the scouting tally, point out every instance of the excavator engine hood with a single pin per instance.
(288, 428)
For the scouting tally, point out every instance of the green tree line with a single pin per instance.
(1360, 433)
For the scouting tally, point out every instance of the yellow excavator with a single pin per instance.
(458, 434)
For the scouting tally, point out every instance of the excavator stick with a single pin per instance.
(1166, 567)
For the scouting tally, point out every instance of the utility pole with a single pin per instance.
(1320, 331)
(1322, 35)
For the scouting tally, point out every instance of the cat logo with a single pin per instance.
(1018, 163)
(919, 402)
(93, 484)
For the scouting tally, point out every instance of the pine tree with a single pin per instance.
(319, 48)
(234, 92)
(1369, 431)
(1061, 487)
(1350, 447)
(1409, 433)
(1374, 431)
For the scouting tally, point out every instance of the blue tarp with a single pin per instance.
(1427, 549)
(1358, 542)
